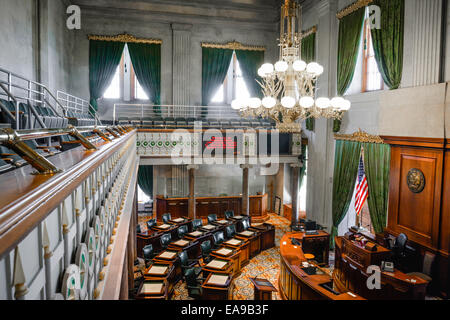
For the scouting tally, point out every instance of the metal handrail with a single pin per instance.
(85, 105)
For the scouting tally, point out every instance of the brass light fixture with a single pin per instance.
(289, 86)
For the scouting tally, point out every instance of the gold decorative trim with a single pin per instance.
(124, 38)
(359, 136)
(234, 45)
(309, 32)
(352, 8)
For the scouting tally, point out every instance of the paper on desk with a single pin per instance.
(247, 233)
(181, 243)
(234, 242)
(217, 264)
(157, 270)
(218, 280)
(178, 220)
(224, 251)
(168, 254)
(152, 287)
(164, 226)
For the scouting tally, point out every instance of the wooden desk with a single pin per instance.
(351, 262)
(178, 207)
(263, 289)
(254, 243)
(243, 248)
(169, 276)
(267, 237)
(295, 284)
(227, 269)
(153, 293)
(233, 257)
(214, 291)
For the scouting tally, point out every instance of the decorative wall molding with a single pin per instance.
(359, 136)
(124, 38)
(234, 45)
(352, 8)
(309, 32)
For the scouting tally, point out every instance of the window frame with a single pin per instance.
(367, 45)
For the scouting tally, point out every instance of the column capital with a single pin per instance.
(192, 167)
(246, 166)
(181, 26)
(296, 165)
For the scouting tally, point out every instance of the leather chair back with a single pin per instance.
(219, 238)
(212, 218)
(138, 229)
(191, 278)
(231, 231)
(166, 217)
(400, 243)
(148, 252)
(229, 214)
(245, 224)
(165, 240)
(151, 223)
(206, 248)
(182, 230)
(183, 258)
(197, 223)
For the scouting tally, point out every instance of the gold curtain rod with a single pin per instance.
(352, 8)
(124, 38)
(309, 32)
(234, 45)
(359, 136)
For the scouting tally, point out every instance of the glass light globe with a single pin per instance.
(306, 102)
(281, 66)
(261, 73)
(346, 105)
(323, 103)
(254, 103)
(269, 102)
(313, 68)
(319, 70)
(267, 68)
(236, 104)
(337, 102)
(288, 102)
(299, 65)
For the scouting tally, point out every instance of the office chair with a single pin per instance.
(193, 284)
(212, 218)
(166, 217)
(165, 241)
(398, 249)
(206, 251)
(229, 214)
(151, 223)
(182, 230)
(187, 263)
(197, 223)
(230, 231)
(427, 267)
(149, 254)
(219, 239)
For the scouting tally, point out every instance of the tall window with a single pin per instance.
(125, 84)
(233, 87)
(372, 79)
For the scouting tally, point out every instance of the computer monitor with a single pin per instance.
(310, 225)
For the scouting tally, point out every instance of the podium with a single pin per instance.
(263, 289)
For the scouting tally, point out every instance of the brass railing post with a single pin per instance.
(84, 142)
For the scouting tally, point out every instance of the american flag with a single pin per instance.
(362, 189)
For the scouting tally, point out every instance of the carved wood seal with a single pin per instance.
(415, 180)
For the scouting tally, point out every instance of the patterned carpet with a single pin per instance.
(266, 265)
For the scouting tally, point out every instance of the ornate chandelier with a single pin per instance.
(289, 86)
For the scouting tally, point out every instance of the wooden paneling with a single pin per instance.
(445, 219)
(416, 214)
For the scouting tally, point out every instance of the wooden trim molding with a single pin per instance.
(352, 8)
(360, 136)
(124, 38)
(234, 45)
(415, 141)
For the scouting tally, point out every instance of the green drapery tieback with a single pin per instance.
(104, 57)
(377, 158)
(388, 41)
(250, 61)
(350, 28)
(345, 172)
(215, 64)
(145, 180)
(309, 55)
(146, 60)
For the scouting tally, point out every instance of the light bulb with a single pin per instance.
(319, 70)
(281, 66)
(323, 103)
(236, 104)
(261, 73)
(346, 105)
(337, 102)
(254, 103)
(313, 68)
(269, 102)
(288, 102)
(299, 65)
(306, 102)
(267, 68)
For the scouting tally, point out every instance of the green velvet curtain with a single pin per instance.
(146, 60)
(104, 57)
(145, 180)
(250, 61)
(346, 163)
(309, 48)
(309, 55)
(388, 41)
(377, 159)
(350, 28)
(215, 64)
